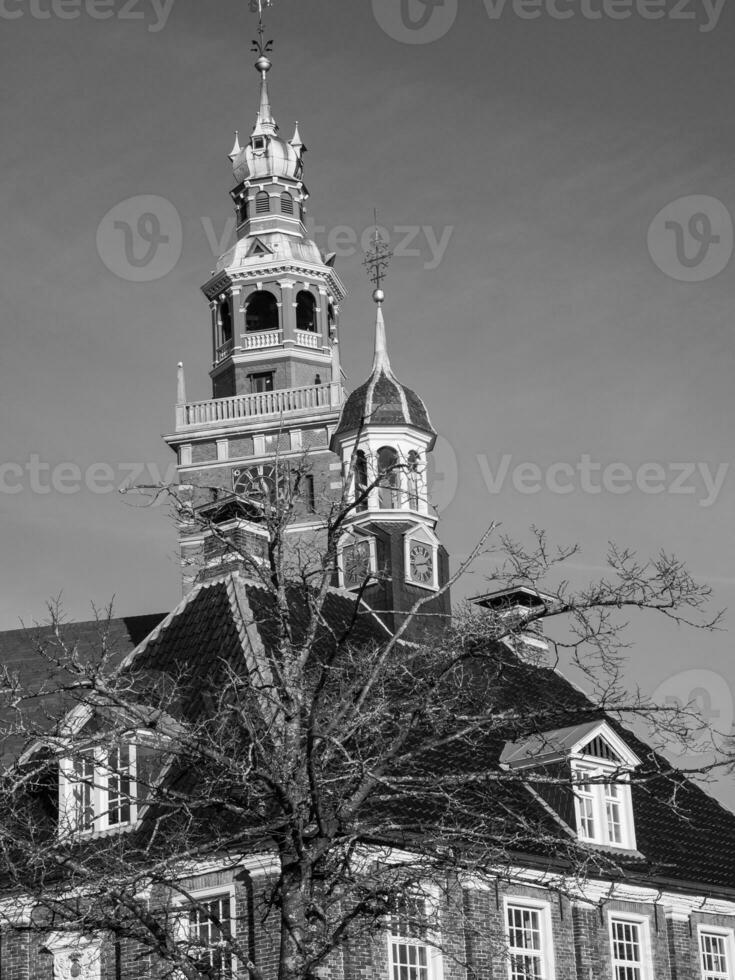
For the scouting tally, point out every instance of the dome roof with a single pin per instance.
(382, 399)
(267, 154)
(277, 159)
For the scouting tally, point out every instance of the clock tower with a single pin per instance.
(274, 302)
(390, 552)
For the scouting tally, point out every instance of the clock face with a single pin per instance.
(422, 563)
(261, 485)
(356, 563)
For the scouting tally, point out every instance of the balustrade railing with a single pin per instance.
(250, 341)
(265, 338)
(282, 402)
(305, 338)
(224, 351)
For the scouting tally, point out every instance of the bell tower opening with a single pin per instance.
(306, 312)
(261, 312)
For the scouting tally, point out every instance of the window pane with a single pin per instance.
(524, 942)
(208, 939)
(82, 792)
(118, 774)
(713, 950)
(626, 950)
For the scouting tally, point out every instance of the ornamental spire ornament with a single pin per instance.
(377, 259)
(265, 122)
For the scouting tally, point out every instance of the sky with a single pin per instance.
(556, 179)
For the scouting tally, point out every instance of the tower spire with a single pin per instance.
(265, 123)
(377, 260)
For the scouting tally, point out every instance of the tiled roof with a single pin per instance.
(20, 654)
(224, 623)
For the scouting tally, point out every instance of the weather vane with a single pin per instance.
(261, 46)
(377, 260)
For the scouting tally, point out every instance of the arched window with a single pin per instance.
(414, 479)
(286, 203)
(262, 202)
(261, 312)
(306, 311)
(361, 478)
(225, 320)
(389, 478)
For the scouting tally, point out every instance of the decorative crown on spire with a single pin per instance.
(265, 123)
(377, 259)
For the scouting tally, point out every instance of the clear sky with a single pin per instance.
(547, 315)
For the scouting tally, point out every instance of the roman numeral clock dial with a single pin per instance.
(421, 563)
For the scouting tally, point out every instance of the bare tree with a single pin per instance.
(360, 768)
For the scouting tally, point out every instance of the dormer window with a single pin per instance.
(97, 790)
(258, 143)
(600, 765)
(603, 809)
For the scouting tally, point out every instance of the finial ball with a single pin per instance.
(378, 295)
(263, 64)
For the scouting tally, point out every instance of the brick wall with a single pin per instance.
(472, 924)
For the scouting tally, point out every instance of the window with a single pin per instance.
(414, 479)
(209, 928)
(530, 955)
(262, 202)
(716, 953)
(261, 311)
(411, 954)
(389, 478)
(243, 210)
(261, 382)
(361, 479)
(603, 809)
(97, 790)
(629, 947)
(258, 143)
(309, 493)
(286, 203)
(225, 319)
(306, 311)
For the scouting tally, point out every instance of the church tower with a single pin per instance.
(390, 551)
(278, 409)
(277, 392)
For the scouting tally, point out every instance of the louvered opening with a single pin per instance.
(286, 203)
(262, 203)
(600, 749)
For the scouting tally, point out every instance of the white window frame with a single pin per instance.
(430, 943)
(99, 791)
(728, 936)
(546, 933)
(598, 795)
(645, 965)
(208, 895)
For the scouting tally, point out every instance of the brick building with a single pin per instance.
(656, 900)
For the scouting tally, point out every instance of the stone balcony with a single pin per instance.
(261, 340)
(281, 403)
